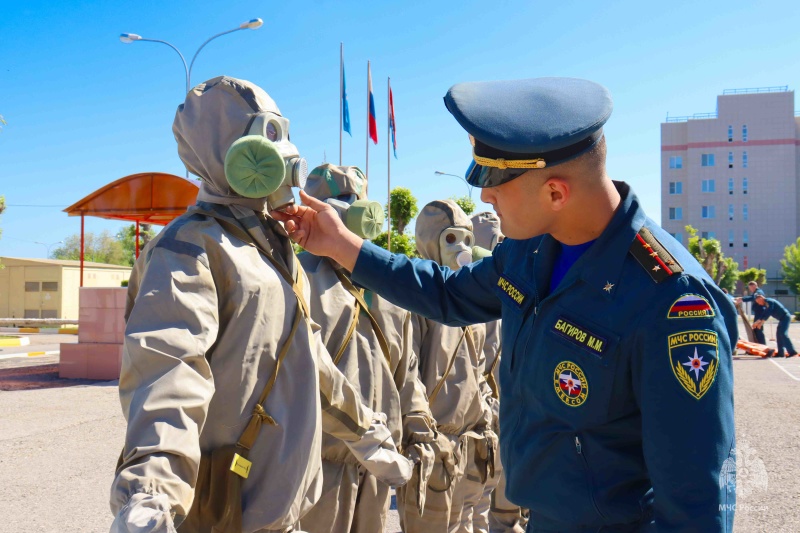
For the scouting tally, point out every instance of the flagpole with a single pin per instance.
(389, 163)
(341, 97)
(367, 165)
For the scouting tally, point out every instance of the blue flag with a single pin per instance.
(345, 107)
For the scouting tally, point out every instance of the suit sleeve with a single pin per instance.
(166, 383)
(682, 379)
(457, 298)
(418, 424)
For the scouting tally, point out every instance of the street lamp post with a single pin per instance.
(469, 187)
(252, 24)
(48, 246)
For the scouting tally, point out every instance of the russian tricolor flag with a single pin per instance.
(373, 124)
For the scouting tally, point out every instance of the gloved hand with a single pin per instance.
(486, 453)
(144, 513)
(429, 456)
(377, 452)
(444, 471)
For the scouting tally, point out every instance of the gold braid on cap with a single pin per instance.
(508, 163)
(505, 163)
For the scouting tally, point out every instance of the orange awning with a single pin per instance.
(148, 198)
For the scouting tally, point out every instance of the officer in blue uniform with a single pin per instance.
(768, 307)
(616, 378)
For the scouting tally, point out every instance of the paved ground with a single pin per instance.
(59, 442)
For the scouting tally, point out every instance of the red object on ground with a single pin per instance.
(754, 348)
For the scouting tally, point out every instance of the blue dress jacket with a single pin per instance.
(617, 388)
(773, 309)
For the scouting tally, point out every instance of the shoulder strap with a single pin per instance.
(438, 387)
(653, 257)
(359, 296)
(489, 374)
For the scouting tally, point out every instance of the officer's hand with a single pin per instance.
(738, 300)
(316, 226)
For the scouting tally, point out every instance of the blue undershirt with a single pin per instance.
(566, 258)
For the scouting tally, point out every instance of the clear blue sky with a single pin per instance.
(84, 109)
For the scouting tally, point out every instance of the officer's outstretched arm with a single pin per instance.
(452, 298)
(165, 388)
(683, 381)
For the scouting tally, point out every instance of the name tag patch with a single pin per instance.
(580, 336)
(511, 290)
(690, 306)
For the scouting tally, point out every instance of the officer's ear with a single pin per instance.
(558, 191)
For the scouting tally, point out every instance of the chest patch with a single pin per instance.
(694, 358)
(570, 384)
(580, 336)
(690, 306)
(511, 290)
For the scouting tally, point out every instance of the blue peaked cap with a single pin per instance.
(552, 119)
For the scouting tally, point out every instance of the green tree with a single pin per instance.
(708, 252)
(791, 266)
(759, 275)
(127, 238)
(102, 248)
(466, 204)
(404, 208)
(401, 243)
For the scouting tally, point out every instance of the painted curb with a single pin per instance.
(19, 341)
(28, 354)
(53, 331)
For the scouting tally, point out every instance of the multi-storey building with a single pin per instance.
(734, 176)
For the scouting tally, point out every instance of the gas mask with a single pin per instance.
(455, 247)
(362, 217)
(264, 163)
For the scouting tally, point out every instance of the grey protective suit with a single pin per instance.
(207, 315)
(353, 500)
(503, 516)
(451, 367)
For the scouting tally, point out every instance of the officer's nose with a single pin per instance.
(487, 195)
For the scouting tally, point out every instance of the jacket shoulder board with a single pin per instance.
(653, 257)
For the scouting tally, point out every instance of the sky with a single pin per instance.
(84, 109)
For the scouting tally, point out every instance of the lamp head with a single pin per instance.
(253, 24)
(129, 37)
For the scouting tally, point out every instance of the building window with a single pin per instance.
(745, 212)
(730, 159)
(676, 187)
(730, 211)
(708, 211)
(781, 292)
(31, 313)
(32, 286)
(744, 185)
(707, 160)
(745, 238)
(49, 313)
(730, 238)
(730, 185)
(730, 133)
(49, 286)
(708, 235)
(678, 237)
(675, 213)
(708, 186)
(675, 161)
(744, 133)
(744, 159)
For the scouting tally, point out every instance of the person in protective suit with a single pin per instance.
(494, 513)
(371, 342)
(225, 384)
(451, 367)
